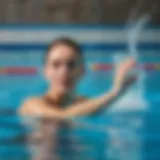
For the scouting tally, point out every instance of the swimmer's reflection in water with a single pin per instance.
(50, 139)
(63, 68)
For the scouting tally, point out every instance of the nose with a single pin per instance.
(65, 70)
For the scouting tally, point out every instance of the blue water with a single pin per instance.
(119, 135)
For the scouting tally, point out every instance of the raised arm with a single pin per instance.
(40, 108)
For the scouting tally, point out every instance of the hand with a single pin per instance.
(121, 80)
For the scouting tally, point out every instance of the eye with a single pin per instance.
(71, 64)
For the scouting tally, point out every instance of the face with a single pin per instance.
(63, 68)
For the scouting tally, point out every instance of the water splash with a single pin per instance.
(133, 40)
(133, 35)
(128, 102)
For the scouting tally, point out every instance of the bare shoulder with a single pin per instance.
(29, 105)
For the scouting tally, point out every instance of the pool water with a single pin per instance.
(126, 131)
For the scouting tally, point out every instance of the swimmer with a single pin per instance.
(63, 68)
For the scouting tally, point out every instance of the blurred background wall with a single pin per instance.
(76, 11)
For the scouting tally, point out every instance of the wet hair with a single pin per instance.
(64, 41)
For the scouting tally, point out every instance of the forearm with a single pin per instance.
(90, 106)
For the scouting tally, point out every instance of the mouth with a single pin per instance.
(67, 83)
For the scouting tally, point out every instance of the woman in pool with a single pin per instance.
(63, 68)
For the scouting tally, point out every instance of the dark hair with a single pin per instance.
(64, 41)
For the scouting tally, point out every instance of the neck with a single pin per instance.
(59, 98)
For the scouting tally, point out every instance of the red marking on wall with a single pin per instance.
(18, 71)
(109, 67)
(102, 67)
